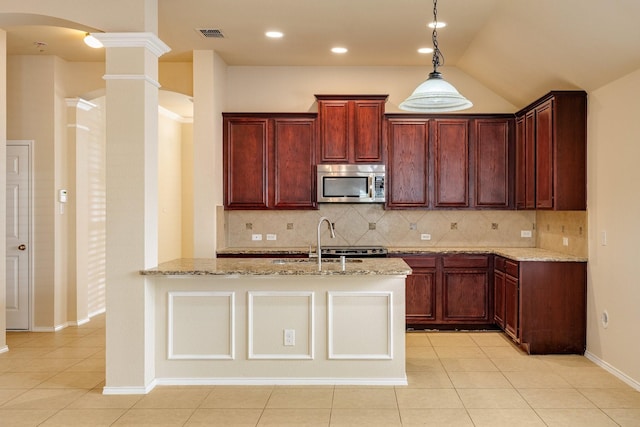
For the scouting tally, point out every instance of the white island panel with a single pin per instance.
(366, 332)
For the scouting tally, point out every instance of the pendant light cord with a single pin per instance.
(438, 58)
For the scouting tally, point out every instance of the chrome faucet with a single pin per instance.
(318, 248)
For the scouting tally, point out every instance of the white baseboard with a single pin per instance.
(283, 381)
(129, 390)
(612, 370)
(50, 328)
(96, 313)
(254, 382)
(4, 349)
(79, 322)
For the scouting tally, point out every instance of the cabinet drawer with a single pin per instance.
(420, 261)
(511, 268)
(498, 263)
(465, 261)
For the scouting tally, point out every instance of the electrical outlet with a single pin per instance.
(425, 236)
(271, 237)
(289, 337)
(565, 241)
(603, 238)
(256, 237)
(525, 233)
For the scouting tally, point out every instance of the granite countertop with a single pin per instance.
(280, 266)
(516, 254)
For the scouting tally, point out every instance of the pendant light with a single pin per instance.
(435, 95)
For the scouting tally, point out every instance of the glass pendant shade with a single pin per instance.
(435, 95)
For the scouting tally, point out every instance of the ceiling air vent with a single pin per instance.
(210, 33)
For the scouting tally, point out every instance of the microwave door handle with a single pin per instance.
(371, 187)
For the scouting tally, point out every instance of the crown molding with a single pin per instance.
(147, 40)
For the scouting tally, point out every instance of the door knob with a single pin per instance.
(22, 247)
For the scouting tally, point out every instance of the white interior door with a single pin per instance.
(18, 236)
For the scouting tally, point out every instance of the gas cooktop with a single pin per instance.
(354, 251)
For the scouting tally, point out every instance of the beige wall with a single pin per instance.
(31, 107)
(614, 209)
(292, 89)
(170, 187)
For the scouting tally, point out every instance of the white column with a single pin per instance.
(205, 168)
(132, 206)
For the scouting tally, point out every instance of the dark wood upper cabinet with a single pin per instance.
(293, 160)
(493, 167)
(552, 170)
(408, 163)
(451, 156)
(246, 152)
(269, 161)
(450, 162)
(351, 128)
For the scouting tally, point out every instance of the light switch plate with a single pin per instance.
(255, 237)
(525, 233)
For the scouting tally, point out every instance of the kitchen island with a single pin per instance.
(279, 321)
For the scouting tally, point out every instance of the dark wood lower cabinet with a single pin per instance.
(540, 305)
(448, 291)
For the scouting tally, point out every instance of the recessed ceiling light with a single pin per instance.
(425, 50)
(440, 24)
(339, 50)
(274, 34)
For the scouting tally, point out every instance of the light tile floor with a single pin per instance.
(455, 379)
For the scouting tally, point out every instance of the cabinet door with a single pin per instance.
(544, 155)
(420, 296)
(511, 307)
(466, 296)
(294, 159)
(420, 290)
(367, 127)
(246, 142)
(498, 298)
(491, 149)
(465, 289)
(334, 119)
(521, 175)
(530, 160)
(451, 155)
(408, 166)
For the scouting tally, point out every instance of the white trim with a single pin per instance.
(50, 328)
(390, 330)
(4, 349)
(32, 252)
(173, 116)
(400, 381)
(79, 322)
(287, 356)
(148, 79)
(172, 355)
(80, 103)
(77, 126)
(149, 41)
(97, 312)
(129, 390)
(612, 370)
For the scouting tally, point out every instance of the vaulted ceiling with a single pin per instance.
(517, 48)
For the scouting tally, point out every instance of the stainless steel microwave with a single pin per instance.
(351, 183)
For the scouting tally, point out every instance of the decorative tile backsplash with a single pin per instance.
(563, 231)
(370, 224)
